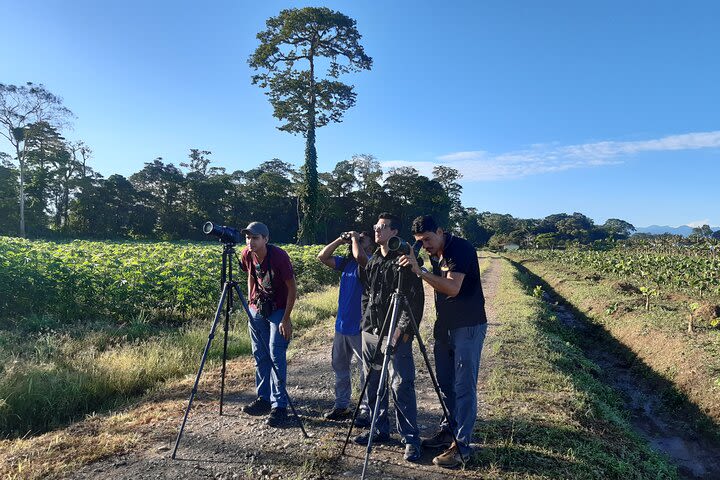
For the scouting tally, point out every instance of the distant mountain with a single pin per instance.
(683, 230)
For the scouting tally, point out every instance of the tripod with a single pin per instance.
(226, 302)
(397, 303)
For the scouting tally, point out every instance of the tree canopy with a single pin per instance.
(288, 59)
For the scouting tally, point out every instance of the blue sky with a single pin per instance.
(607, 108)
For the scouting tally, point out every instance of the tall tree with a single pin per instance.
(165, 189)
(20, 108)
(288, 57)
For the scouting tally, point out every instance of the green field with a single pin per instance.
(85, 326)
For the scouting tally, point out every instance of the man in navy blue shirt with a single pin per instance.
(459, 333)
(347, 341)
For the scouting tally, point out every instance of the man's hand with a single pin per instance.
(286, 328)
(410, 260)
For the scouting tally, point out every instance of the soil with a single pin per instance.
(664, 429)
(238, 446)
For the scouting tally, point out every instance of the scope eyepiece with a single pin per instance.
(400, 247)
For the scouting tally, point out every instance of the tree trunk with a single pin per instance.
(308, 201)
(308, 195)
(21, 161)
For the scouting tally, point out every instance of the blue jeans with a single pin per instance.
(401, 371)
(457, 362)
(267, 331)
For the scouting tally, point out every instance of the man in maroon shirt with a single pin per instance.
(272, 291)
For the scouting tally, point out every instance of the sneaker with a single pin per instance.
(257, 407)
(363, 438)
(277, 418)
(442, 439)
(451, 458)
(413, 452)
(362, 421)
(337, 414)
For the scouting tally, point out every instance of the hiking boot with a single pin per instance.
(442, 439)
(257, 407)
(362, 421)
(451, 458)
(337, 414)
(277, 418)
(413, 452)
(363, 438)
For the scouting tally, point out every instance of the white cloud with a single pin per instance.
(698, 223)
(480, 165)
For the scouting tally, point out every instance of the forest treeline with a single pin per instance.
(48, 189)
(66, 198)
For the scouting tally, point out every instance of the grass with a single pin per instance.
(548, 415)
(157, 367)
(51, 377)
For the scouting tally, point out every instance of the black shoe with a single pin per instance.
(442, 439)
(413, 452)
(277, 418)
(337, 414)
(257, 407)
(363, 438)
(362, 421)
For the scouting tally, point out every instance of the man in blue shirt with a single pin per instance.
(348, 341)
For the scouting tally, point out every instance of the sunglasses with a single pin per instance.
(381, 226)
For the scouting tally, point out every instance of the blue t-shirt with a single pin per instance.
(349, 309)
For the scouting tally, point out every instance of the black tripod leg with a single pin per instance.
(228, 311)
(423, 350)
(370, 371)
(281, 382)
(383, 376)
(226, 290)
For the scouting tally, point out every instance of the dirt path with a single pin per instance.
(237, 446)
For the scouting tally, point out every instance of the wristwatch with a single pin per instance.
(422, 270)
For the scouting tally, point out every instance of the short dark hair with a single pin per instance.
(424, 223)
(395, 222)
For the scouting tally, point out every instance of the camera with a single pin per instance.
(224, 234)
(347, 236)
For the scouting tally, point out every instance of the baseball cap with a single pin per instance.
(256, 228)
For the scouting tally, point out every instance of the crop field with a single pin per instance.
(88, 325)
(690, 272)
(123, 280)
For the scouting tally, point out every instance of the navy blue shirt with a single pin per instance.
(349, 309)
(467, 308)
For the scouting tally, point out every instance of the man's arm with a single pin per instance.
(449, 285)
(325, 255)
(357, 250)
(286, 323)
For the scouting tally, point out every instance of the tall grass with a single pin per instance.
(51, 377)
